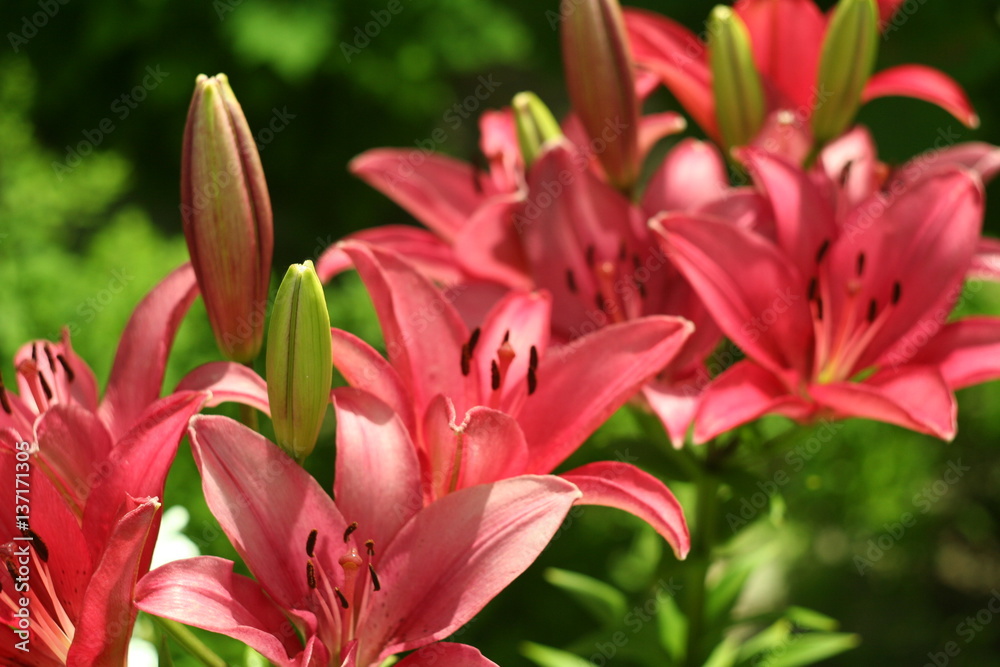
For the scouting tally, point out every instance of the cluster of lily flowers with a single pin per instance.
(551, 288)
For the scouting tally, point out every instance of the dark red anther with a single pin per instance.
(474, 340)
(532, 381)
(311, 575)
(376, 586)
(340, 596)
(3, 399)
(533, 357)
(350, 529)
(846, 172)
(622, 252)
(494, 375)
(34, 353)
(506, 336)
(819, 309)
(591, 256)
(466, 359)
(311, 542)
(872, 311)
(821, 253)
(370, 548)
(36, 541)
(897, 292)
(571, 281)
(813, 286)
(70, 375)
(599, 302)
(861, 264)
(46, 389)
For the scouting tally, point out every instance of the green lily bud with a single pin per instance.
(598, 66)
(536, 125)
(846, 63)
(299, 364)
(740, 107)
(226, 213)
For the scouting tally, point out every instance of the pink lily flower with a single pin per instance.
(786, 39)
(97, 470)
(498, 401)
(846, 314)
(362, 577)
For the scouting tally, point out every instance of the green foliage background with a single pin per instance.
(80, 246)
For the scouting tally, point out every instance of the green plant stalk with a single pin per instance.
(180, 634)
(700, 556)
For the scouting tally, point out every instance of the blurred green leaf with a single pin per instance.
(603, 601)
(673, 629)
(551, 657)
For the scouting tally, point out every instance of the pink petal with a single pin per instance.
(743, 393)
(786, 37)
(851, 162)
(923, 83)
(679, 58)
(675, 405)
(364, 368)
(423, 332)
(803, 215)
(204, 592)
(84, 385)
(455, 556)
(265, 503)
(967, 352)
(623, 486)
(377, 479)
(935, 226)
(486, 447)
(914, 397)
(886, 8)
(137, 375)
(767, 317)
(489, 246)
(227, 382)
(138, 465)
(582, 383)
(439, 191)
(977, 156)
(986, 261)
(656, 126)
(443, 653)
(74, 444)
(692, 174)
(428, 253)
(104, 626)
(498, 142)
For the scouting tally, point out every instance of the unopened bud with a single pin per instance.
(845, 65)
(299, 366)
(740, 107)
(226, 214)
(536, 126)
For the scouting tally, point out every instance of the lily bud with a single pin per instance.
(299, 364)
(740, 107)
(535, 124)
(846, 63)
(601, 84)
(226, 213)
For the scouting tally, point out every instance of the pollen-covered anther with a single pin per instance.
(311, 575)
(376, 585)
(861, 264)
(821, 253)
(341, 598)
(370, 547)
(350, 529)
(872, 311)
(311, 542)
(40, 548)
(897, 292)
(533, 370)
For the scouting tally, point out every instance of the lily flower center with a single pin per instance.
(500, 373)
(48, 376)
(612, 283)
(26, 559)
(339, 607)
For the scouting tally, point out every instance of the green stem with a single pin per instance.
(183, 636)
(700, 557)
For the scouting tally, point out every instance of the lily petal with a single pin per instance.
(137, 375)
(924, 83)
(679, 58)
(205, 592)
(265, 503)
(366, 369)
(444, 653)
(692, 174)
(468, 547)
(377, 480)
(489, 246)
(967, 351)
(915, 397)
(675, 405)
(986, 261)
(623, 486)
(104, 626)
(716, 257)
(138, 465)
(72, 444)
(740, 395)
(589, 379)
(439, 191)
(432, 256)
(422, 330)
(786, 36)
(227, 382)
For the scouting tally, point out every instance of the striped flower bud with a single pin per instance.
(536, 126)
(739, 95)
